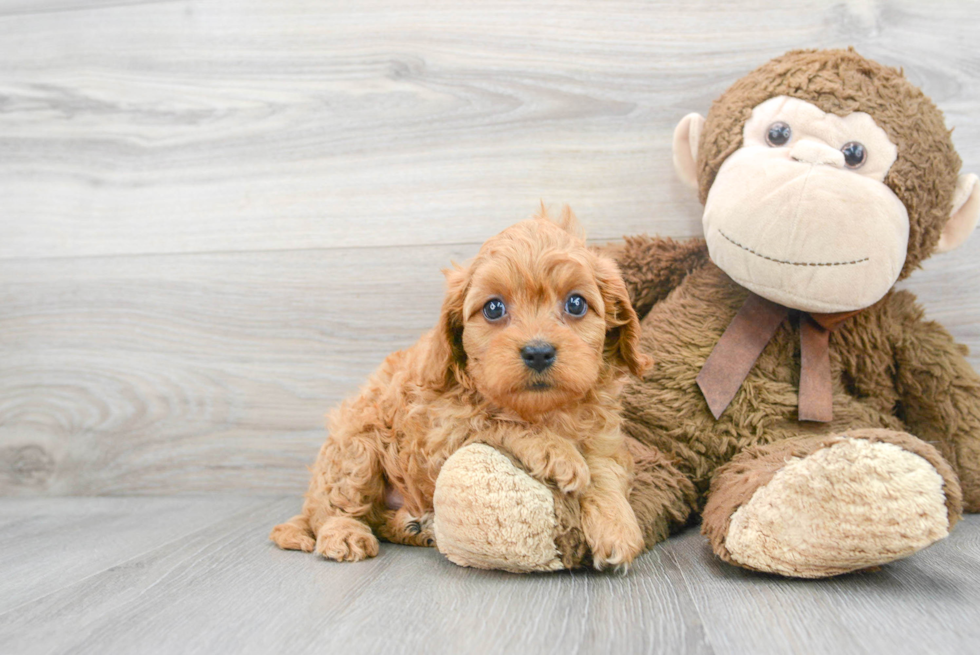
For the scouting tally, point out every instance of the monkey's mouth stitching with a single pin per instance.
(783, 261)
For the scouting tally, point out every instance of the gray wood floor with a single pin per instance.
(196, 575)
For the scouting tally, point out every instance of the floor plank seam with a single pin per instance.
(690, 594)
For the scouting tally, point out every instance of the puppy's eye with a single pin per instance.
(494, 310)
(576, 305)
(778, 134)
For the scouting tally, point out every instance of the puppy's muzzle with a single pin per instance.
(538, 355)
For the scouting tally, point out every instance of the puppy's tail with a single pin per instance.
(294, 534)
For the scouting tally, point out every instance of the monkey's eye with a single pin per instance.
(494, 310)
(854, 154)
(778, 134)
(576, 305)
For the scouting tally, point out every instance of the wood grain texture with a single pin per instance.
(186, 374)
(168, 373)
(137, 127)
(221, 587)
(927, 603)
(217, 217)
(46, 547)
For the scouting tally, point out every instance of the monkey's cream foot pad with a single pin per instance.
(851, 506)
(492, 515)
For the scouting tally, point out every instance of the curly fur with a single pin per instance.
(466, 382)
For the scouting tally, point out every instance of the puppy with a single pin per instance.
(533, 344)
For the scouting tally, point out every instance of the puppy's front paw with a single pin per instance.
(561, 463)
(615, 540)
(346, 540)
(293, 535)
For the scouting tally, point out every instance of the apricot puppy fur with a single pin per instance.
(534, 341)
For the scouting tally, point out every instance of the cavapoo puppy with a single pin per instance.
(534, 341)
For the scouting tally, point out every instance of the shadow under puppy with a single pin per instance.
(534, 341)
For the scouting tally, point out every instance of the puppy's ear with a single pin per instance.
(568, 222)
(446, 364)
(622, 325)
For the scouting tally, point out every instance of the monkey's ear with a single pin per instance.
(963, 218)
(686, 137)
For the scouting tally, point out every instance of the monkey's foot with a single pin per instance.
(490, 514)
(852, 502)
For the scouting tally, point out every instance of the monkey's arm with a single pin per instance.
(652, 267)
(940, 394)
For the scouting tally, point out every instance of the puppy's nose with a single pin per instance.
(538, 355)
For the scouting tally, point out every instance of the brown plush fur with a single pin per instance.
(466, 382)
(662, 497)
(891, 369)
(841, 82)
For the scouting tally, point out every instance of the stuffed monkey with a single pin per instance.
(798, 402)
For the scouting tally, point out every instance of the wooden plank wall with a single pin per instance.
(216, 217)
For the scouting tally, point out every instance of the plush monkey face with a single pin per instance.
(826, 178)
(799, 214)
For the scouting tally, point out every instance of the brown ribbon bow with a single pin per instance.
(745, 339)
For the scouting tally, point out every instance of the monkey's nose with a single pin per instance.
(538, 355)
(812, 152)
